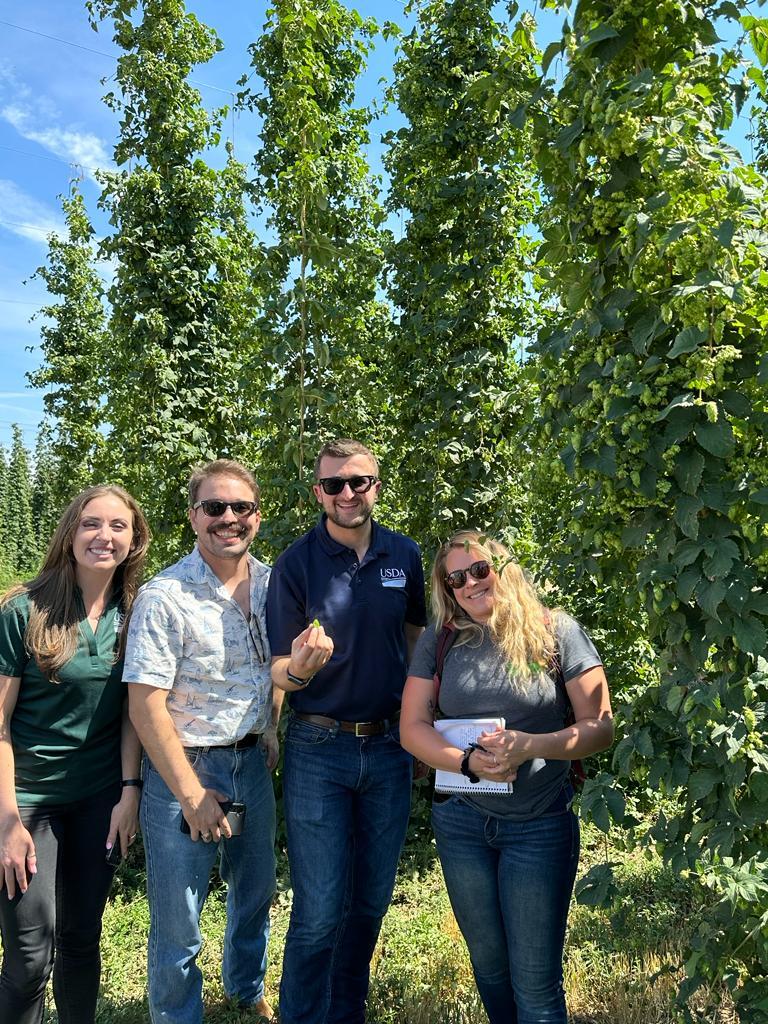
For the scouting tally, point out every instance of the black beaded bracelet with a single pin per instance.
(465, 769)
(132, 782)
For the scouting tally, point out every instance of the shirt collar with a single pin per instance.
(195, 569)
(113, 601)
(378, 545)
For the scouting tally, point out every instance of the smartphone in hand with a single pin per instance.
(234, 812)
(115, 855)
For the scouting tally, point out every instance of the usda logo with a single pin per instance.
(392, 577)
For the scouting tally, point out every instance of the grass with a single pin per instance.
(421, 972)
(623, 966)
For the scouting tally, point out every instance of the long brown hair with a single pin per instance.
(519, 624)
(54, 620)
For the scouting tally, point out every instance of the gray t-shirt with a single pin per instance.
(476, 684)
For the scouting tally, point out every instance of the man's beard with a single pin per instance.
(361, 516)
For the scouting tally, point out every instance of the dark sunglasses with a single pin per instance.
(213, 507)
(262, 651)
(359, 484)
(458, 578)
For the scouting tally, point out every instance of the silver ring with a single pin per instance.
(207, 836)
(131, 838)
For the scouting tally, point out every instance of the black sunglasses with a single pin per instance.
(336, 484)
(262, 651)
(214, 507)
(458, 578)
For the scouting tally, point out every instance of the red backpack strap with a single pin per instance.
(445, 639)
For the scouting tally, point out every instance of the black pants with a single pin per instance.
(57, 921)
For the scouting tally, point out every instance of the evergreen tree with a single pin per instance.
(5, 563)
(20, 541)
(47, 487)
(73, 346)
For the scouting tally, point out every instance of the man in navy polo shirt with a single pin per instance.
(346, 782)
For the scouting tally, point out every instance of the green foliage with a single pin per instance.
(324, 328)
(461, 170)
(19, 542)
(29, 506)
(654, 247)
(641, 493)
(74, 349)
(47, 504)
(754, 79)
(180, 299)
(6, 569)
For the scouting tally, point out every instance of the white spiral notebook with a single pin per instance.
(461, 732)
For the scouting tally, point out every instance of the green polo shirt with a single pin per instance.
(65, 735)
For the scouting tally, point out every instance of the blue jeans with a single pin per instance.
(347, 801)
(178, 873)
(510, 885)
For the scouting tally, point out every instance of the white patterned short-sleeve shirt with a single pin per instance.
(188, 636)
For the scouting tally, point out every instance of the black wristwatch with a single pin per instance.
(465, 769)
(296, 680)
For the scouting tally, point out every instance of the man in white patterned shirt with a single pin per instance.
(202, 702)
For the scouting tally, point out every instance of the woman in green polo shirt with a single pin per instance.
(66, 745)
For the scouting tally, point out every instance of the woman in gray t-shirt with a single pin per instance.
(509, 859)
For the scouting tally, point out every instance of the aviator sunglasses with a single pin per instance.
(359, 484)
(214, 507)
(458, 578)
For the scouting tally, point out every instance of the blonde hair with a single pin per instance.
(520, 624)
(54, 620)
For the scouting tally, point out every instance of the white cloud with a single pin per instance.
(25, 216)
(38, 119)
(76, 147)
(9, 79)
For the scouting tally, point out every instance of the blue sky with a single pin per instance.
(52, 122)
(53, 126)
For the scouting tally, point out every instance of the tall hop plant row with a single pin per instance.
(324, 326)
(653, 380)
(653, 370)
(74, 350)
(180, 301)
(461, 173)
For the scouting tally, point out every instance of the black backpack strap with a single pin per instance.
(445, 639)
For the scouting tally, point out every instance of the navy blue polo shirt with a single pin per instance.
(362, 607)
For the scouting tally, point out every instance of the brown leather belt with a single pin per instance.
(358, 728)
